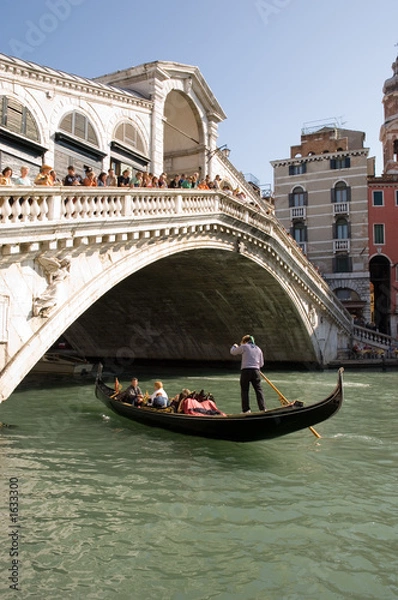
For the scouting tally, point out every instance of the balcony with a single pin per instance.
(341, 245)
(298, 212)
(341, 208)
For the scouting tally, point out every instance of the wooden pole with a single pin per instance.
(284, 401)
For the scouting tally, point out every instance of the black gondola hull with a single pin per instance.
(237, 428)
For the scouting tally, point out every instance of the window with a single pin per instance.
(347, 295)
(299, 233)
(79, 126)
(341, 229)
(340, 163)
(18, 119)
(396, 197)
(127, 134)
(341, 192)
(298, 169)
(342, 263)
(395, 150)
(378, 233)
(298, 197)
(378, 198)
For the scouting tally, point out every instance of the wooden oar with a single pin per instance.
(284, 401)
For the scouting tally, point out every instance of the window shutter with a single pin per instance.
(80, 126)
(305, 194)
(291, 231)
(349, 230)
(334, 231)
(303, 167)
(14, 116)
(91, 135)
(66, 123)
(291, 200)
(291, 169)
(333, 163)
(333, 194)
(347, 162)
(348, 194)
(3, 111)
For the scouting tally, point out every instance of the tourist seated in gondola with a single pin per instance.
(159, 398)
(133, 394)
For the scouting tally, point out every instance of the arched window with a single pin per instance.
(127, 134)
(298, 197)
(395, 150)
(347, 294)
(80, 127)
(18, 119)
(341, 192)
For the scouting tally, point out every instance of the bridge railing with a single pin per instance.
(373, 338)
(42, 204)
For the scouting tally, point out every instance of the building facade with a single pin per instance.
(383, 218)
(320, 196)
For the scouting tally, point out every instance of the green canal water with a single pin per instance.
(109, 509)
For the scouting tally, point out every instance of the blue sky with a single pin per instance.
(273, 65)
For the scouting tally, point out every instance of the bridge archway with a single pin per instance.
(194, 304)
(183, 140)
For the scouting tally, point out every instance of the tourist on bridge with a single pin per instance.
(111, 180)
(124, 179)
(5, 177)
(72, 178)
(44, 177)
(24, 178)
(90, 179)
(252, 361)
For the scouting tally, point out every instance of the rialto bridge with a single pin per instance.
(155, 274)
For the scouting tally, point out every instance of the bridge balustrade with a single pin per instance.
(67, 204)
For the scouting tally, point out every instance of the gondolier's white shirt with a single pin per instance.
(252, 355)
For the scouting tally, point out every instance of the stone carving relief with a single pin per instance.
(56, 272)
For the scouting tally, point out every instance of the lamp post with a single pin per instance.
(223, 149)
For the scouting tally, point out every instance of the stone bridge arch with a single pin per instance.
(170, 275)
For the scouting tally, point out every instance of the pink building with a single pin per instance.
(383, 218)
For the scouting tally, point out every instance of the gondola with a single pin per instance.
(233, 427)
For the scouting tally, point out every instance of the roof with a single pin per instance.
(62, 75)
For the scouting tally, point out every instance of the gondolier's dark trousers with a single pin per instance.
(247, 377)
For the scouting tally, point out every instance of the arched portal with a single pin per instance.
(379, 267)
(183, 135)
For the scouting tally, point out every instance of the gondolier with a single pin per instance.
(252, 362)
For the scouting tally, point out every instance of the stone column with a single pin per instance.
(157, 129)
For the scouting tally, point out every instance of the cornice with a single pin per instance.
(318, 157)
(65, 81)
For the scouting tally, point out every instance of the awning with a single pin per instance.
(79, 146)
